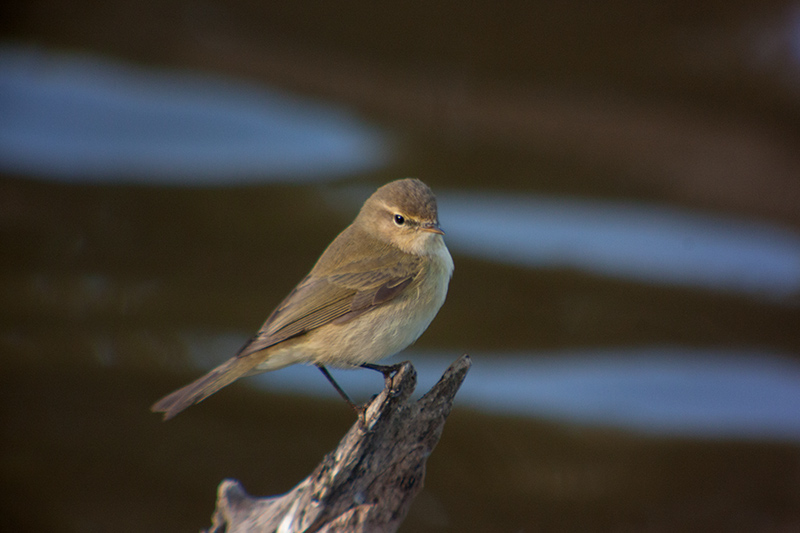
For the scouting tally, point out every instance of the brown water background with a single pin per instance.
(695, 106)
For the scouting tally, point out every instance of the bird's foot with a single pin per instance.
(388, 372)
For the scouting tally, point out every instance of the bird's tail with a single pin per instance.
(200, 389)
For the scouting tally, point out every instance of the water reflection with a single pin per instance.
(81, 118)
(634, 241)
(776, 46)
(672, 391)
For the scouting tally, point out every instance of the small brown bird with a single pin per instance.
(374, 291)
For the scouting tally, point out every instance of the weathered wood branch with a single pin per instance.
(368, 482)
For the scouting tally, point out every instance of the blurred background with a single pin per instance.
(619, 184)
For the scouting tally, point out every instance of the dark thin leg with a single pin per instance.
(341, 392)
(388, 371)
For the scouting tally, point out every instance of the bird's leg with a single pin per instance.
(388, 371)
(357, 408)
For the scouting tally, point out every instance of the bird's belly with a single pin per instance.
(368, 338)
(381, 332)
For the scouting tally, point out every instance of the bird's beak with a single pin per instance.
(432, 227)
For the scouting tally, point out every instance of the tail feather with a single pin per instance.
(202, 388)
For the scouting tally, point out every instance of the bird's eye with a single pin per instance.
(399, 220)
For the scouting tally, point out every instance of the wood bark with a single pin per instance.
(368, 482)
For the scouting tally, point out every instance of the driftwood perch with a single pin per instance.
(368, 482)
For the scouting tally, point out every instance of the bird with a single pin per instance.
(374, 290)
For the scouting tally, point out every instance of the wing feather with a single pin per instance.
(349, 290)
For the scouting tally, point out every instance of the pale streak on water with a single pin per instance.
(655, 244)
(86, 119)
(660, 390)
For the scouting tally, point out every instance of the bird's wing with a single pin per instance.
(342, 294)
